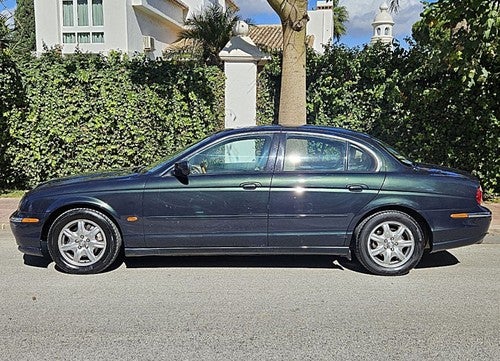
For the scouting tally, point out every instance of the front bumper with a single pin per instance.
(28, 235)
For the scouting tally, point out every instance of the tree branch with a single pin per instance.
(291, 12)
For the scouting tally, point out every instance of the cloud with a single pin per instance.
(362, 13)
(258, 8)
(405, 19)
(255, 7)
(258, 11)
(8, 13)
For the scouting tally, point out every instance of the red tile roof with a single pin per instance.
(266, 37)
(270, 37)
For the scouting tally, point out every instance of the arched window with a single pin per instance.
(387, 30)
(379, 31)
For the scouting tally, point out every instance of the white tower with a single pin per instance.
(382, 26)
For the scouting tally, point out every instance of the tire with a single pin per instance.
(389, 243)
(83, 241)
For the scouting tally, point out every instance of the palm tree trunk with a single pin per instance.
(293, 15)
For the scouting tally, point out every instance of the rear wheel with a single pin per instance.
(83, 241)
(389, 243)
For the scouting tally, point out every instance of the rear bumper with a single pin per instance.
(462, 231)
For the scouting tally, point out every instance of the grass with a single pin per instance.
(11, 193)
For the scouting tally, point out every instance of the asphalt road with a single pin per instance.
(252, 308)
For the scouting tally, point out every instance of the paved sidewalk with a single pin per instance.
(9, 205)
(494, 231)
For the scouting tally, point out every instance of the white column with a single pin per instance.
(241, 57)
(241, 94)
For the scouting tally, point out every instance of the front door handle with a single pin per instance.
(250, 185)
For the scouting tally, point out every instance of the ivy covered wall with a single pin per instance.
(81, 113)
(86, 112)
(422, 108)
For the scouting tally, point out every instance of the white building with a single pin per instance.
(126, 25)
(320, 25)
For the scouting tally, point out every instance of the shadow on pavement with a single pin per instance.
(434, 260)
(289, 261)
(438, 259)
(35, 261)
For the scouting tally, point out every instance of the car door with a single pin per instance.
(321, 184)
(223, 201)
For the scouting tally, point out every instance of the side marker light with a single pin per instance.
(459, 215)
(30, 220)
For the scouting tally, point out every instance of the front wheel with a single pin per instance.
(389, 243)
(83, 241)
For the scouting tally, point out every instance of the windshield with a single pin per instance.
(155, 165)
(398, 155)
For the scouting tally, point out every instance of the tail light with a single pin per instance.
(479, 195)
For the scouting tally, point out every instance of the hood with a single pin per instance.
(82, 178)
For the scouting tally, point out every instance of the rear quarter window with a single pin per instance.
(360, 160)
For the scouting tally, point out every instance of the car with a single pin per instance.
(305, 190)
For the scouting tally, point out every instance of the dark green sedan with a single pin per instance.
(263, 190)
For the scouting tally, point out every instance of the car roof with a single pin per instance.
(303, 128)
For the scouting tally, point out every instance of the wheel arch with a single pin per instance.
(422, 222)
(98, 206)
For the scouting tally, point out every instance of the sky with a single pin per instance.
(10, 4)
(7, 9)
(361, 14)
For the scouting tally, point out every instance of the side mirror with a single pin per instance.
(181, 169)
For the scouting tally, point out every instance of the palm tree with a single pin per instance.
(4, 33)
(211, 30)
(340, 16)
(394, 5)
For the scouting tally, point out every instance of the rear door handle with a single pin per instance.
(250, 185)
(356, 187)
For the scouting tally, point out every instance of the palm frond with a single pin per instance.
(211, 29)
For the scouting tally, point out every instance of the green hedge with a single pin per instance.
(89, 112)
(395, 95)
(11, 98)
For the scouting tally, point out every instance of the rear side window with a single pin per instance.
(308, 153)
(360, 160)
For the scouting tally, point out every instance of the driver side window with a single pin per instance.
(233, 156)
